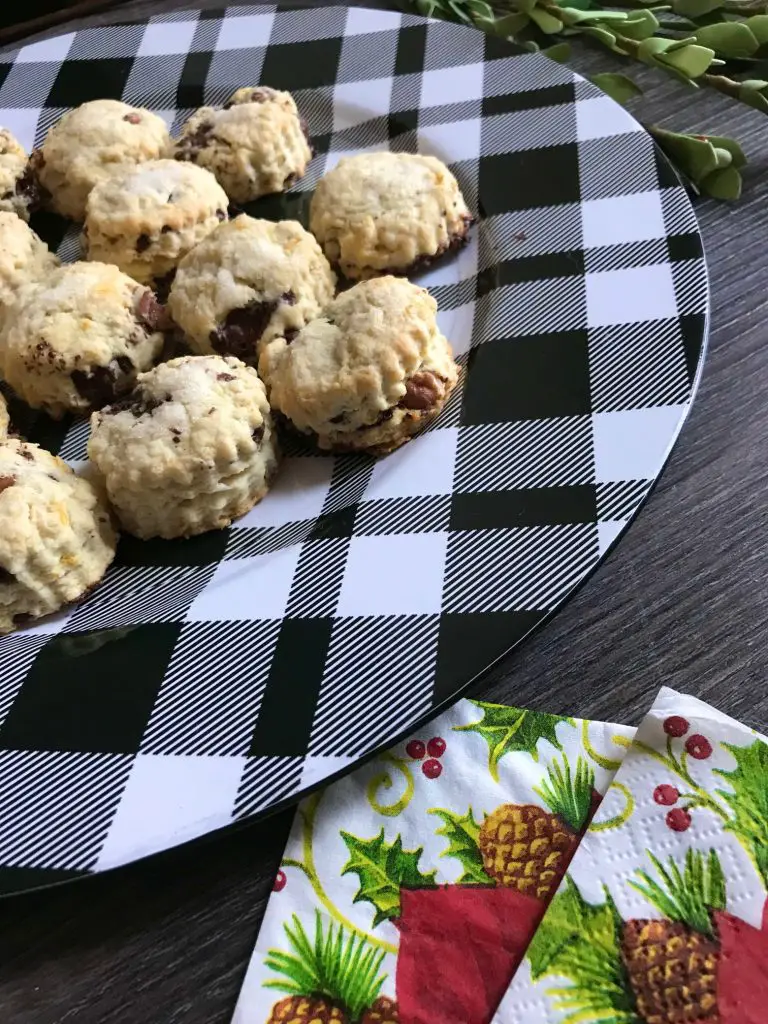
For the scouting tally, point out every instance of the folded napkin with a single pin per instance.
(410, 889)
(662, 917)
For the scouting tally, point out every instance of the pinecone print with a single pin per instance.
(383, 1011)
(334, 978)
(526, 848)
(306, 1010)
(673, 964)
(673, 972)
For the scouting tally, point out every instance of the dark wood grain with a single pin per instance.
(682, 602)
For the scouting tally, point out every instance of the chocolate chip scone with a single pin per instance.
(93, 142)
(24, 258)
(248, 282)
(146, 219)
(388, 213)
(190, 449)
(369, 373)
(77, 340)
(20, 191)
(255, 145)
(56, 535)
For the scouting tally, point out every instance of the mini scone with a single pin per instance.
(190, 449)
(56, 536)
(388, 213)
(19, 188)
(24, 259)
(147, 218)
(255, 145)
(369, 373)
(248, 282)
(77, 340)
(91, 143)
(4, 419)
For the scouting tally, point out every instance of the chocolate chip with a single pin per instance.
(143, 242)
(5, 576)
(28, 186)
(176, 439)
(151, 313)
(6, 482)
(221, 214)
(25, 453)
(132, 118)
(382, 418)
(190, 145)
(224, 376)
(288, 298)
(422, 391)
(138, 402)
(165, 229)
(102, 384)
(290, 334)
(259, 94)
(23, 619)
(258, 434)
(242, 329)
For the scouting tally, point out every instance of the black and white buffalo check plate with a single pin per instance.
(210, 680)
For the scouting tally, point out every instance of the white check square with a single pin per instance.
(452, 85)
(55, 49)
(417, 469)
(244, 32)
(169, 800)
(299, 492)
(633, 444)
(457, 140)
(631, 295)
(165, 37)
(600, 117)
(247, 588)
(357, 102)
(619, 219)
(396, 574)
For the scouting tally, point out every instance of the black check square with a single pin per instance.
(360, 593)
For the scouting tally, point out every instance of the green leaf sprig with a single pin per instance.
(695, 42)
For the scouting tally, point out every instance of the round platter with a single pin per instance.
(212, 680)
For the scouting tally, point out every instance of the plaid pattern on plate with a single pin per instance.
(210, 680)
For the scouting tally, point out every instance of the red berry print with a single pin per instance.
(416, 750)
(698, 746)
(678, 819)
(436, 747)
(676, 726)
(432, 768)
(280, 881)
(666, 795)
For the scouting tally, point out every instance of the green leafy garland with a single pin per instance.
(694, 41)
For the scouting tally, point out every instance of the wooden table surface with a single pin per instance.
(682, 602)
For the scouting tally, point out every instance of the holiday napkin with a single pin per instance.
(662, 916)
(410, 889)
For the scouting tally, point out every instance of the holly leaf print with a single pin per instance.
(382, 869)
(748, 799)
(582, 942)
(463, 835)
(506, 730)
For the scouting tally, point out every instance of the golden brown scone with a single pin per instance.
(146, 219)
(76, 339)
(248, 282)
(90, 144)
(19, 188)
(24, 259)
(56, 535)
(190, 449)
(388, 213)
(369, 373)
(255, 145)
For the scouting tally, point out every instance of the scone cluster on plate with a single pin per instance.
(183, 445)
